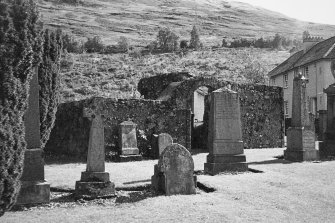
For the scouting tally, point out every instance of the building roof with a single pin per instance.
(321, 50)
(287, 64)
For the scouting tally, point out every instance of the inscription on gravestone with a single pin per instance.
(225, 133)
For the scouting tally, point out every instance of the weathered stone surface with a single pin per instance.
(96, 145)
(225, 134)
(174, 172)
(34, 188)
(159, 143)
(128, 143)
(300, 137)
(94, 189)
(95, 181)
(327, 147)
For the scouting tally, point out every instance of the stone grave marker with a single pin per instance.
(225, 134)
(159, 143)
(128, 142)
(174, 173)
(327, 146)
(95, 181)
(300, 136)
(34, 188)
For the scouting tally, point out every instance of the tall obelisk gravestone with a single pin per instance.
(34, 188)
(225, 133)
(300, 136)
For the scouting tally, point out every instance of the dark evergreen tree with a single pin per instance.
(19, 52)
(49, 81)
(195, 39)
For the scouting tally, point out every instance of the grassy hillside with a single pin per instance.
(139, 20)
(117, 75)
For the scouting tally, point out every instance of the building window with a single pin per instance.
(286, 108)
(306, 72)
(285, 77)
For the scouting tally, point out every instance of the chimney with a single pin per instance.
(310, 41)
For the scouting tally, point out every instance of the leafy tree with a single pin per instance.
(277, 42)
(183, 44)
(224, 43)
(167, 41)
(94, 45)
(195, 39)
(49, 81)
(305, 34)
(19, 52)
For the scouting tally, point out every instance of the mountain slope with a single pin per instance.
(139, 20)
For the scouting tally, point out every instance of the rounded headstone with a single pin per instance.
(177, 165)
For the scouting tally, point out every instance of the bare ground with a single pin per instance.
(281, 192)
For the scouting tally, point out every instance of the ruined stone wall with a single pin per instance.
(262, 111)
(151, 87)
(71, 131)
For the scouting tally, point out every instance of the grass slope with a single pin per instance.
(117, 75)
(139, 20)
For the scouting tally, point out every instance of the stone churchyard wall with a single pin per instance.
(71, 131)
(262, 109)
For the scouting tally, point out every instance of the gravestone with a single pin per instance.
(174, 173)
(327, 147)
(34, 188)
(95, 181)
(300, 136)
(128, 142)
(159, 143)
(225, 133)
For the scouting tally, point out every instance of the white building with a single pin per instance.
(316, 62)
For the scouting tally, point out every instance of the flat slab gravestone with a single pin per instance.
(34, 188)
(225, 133)
(174, 173)
(128, 142)
(159, 143)
(95, 181)
(300, 136)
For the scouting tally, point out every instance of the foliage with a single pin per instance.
(167, 41)
(183, 44)
(94, 44)
(195, 39)
(123, 44)
(49, 81)
(70, 44)
(19, 51)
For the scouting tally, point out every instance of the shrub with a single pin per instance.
(49, 81)
(20, 48)
(123, 44)
(70, 44)
(94, 44)
(183, 44)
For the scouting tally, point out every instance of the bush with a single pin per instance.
(20, 48)
(123, 44)
(183, 44)
(70, 44)
(94, 45)
(49, 81)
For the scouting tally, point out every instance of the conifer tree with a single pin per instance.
(49, 81)
(195, 39)
(19, 52)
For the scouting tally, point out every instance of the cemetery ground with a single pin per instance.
(274, 190)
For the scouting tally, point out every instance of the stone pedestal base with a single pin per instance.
(301, 155)
(123, 158)
(130, 151)
(34, 192)
(94, 185)
(327, 149)
(225, 163)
